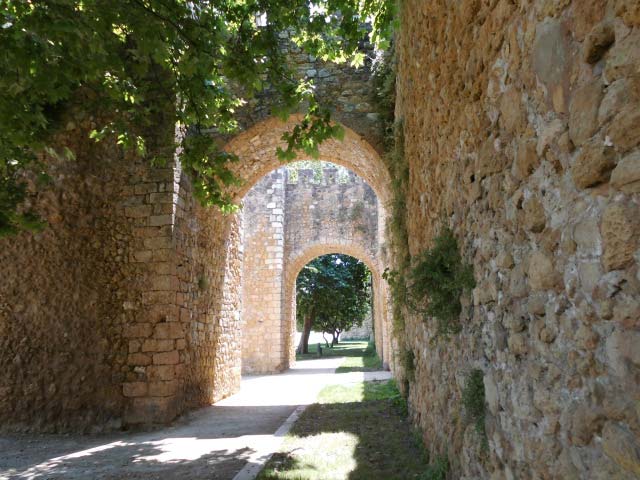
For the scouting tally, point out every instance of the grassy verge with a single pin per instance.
(355, 432)
(360, 356)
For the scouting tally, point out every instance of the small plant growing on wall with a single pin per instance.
(203, 283)
(407, 360)
(473, 400)
(437, 470)
(357, 211)
(438, 279)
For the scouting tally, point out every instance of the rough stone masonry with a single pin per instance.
(127, 308)
(288, 221)
(522, 129)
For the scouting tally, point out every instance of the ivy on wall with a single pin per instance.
(437, 280)
(473, 402)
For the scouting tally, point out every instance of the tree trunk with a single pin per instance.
(335, 337)
(303, 346)
(325, 339)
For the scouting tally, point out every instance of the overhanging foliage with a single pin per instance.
(182, 60)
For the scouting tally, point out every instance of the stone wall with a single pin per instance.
(521, 124)
(263, 347)
(76, 298)
(364, 332)
(343, 89)
(126, 308)
(287, 223)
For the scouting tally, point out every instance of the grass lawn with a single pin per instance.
(360, 356)
(355, 432)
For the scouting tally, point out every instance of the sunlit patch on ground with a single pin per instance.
(356, 431)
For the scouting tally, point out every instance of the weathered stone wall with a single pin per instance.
(343, 89)
(263, 348)
(126, 309)
(521, 122)
(286, 221)
(75, 297)
(363, 332)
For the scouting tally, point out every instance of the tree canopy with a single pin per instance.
(333, 293)
(202, 57)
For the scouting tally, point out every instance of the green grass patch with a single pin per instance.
(360, 356)
(356, 432)
(359, 392)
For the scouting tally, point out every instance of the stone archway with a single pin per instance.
(285, 221)
(166, 335)
(256, 148)
(380, 293)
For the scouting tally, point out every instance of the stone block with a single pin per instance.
(158, 297)
(169, 330)
(144, 188)
(134, 389)
(160, 175)
(166, 358)
(491, 393)
(161, 372)
(164, 197)
(541, 273)
(159, 220)
(619, 94)
(138, 330)
(162, 313)
(511, 111)
(527, 159)
(586, 235)
(163, 388)
(138, 211)
(593, 164)
(134, 346)
(626, 175)
(490, 160)
(153, 345)
(534, 216)
(142, 256)
(138, 359)
(163, 255)
(586, 421)
(623, 58)
(149, 410)
(583, 112)
(550, 56)
(518, 343)
(158, 243)
(597, 42)
(624, 130)
(620, 232)
(163, 282)
(166, 209)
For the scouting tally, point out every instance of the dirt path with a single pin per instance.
(213, 443)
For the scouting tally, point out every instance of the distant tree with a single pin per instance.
(333, 295)
(191, 62)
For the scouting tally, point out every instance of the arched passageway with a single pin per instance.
(286, 223)
(256, 148)
(380, 290)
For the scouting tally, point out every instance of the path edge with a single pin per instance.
(258, 460)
